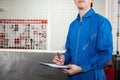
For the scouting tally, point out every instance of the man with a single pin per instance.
(89, 44)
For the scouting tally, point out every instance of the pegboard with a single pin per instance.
(23, 34)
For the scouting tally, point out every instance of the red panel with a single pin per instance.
(17, 41)
(110, 73)
(2, 35)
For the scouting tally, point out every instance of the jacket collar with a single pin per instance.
(87, 14)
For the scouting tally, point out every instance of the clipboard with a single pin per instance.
(53, 65)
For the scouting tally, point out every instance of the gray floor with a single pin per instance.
(22, 66)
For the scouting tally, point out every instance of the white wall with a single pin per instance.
(24, 9)
(99, 6)
(112, 10)
(62, 12)
(59, 13)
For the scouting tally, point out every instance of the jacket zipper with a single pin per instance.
(78, 41)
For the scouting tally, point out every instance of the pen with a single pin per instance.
(58, 55)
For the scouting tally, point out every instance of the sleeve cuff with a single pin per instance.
(85, 68)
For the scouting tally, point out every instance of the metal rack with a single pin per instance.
(117, 56)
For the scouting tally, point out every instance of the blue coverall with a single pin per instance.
(89, 45)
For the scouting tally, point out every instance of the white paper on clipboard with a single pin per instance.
(53, 65)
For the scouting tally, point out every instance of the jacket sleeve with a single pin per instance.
(103, 50)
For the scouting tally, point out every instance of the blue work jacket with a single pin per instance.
(89, 45)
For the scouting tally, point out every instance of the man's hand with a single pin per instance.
(59, 60)
(74, 69)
